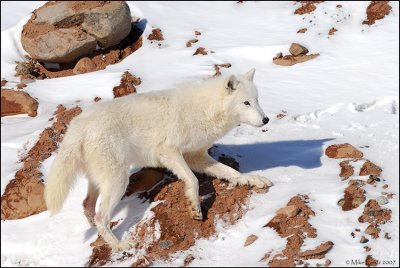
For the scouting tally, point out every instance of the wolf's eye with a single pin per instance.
(246, 103)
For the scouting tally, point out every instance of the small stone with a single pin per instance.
(302, 30)
(387, 236)
(385, 186)
(250, 240)
(341, 202)
(372, 230)
(363, 240)
(382, 200)
(327, 262)
(297, 49)
(289, 211)
(370, 261)
(84, 65)
(200, 50)
(189, 258)
(165, 244)
(367, 248)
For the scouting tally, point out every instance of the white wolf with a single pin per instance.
(171, 129)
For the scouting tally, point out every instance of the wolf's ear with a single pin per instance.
(250, 74)
(231, 83)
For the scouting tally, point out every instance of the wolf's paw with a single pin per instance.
(123, 245)
(255, 181)
(195, 212)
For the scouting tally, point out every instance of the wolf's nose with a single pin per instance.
(265, 120)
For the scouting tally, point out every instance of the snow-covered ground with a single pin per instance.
(347, 94)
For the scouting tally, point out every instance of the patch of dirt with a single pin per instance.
(302, 30)
(373, 213)
(97, 99)
(297, 49)
(217, 68)
(347, 170)
(332, 31)
(200, 50)
(377, 10)
(281, 115)
(343, 151)
(156, 35)
(189, 258)
(370, 261)
(306, 7)
(354, 195)
(3, 82)
(197, 33)
(369, 168)
(191, 42)
(127, 85)
(100, 59)
(23, 196)
(295, 227)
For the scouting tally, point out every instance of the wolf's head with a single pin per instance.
(241, 100)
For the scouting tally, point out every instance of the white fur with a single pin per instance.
(171, 128)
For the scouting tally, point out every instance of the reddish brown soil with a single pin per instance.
(156, 35)
(296, 228)
(217, 68)
(373, 213)
(377, 10)
(191, 42)
(354, 195)
(200, 50)
(101, 58)
(127, 85)
(23, 196)
(343, 151)
(306, 7)
(144, 180)
(347, 170)
(3, 82)
(332, 31)
(369, 168)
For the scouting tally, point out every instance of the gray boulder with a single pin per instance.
(61, 32)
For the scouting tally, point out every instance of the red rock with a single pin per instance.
(250, 240)
(343, 151)
(297, 49)
(17, 102)
(84, 65)
(377, 10)
(369, 168)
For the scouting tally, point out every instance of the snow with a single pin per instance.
(347, 94)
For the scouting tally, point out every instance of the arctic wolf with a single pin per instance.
(172, 129)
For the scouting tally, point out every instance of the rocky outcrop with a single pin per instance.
(62, 31)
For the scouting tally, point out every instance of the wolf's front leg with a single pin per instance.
(203, 163)
(172, 159)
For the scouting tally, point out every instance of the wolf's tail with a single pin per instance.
(62, 173)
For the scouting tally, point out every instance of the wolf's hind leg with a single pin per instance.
(89, 203)
(112, 189)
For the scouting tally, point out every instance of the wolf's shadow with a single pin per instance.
(251, 157)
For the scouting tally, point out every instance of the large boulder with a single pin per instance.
(61, 32)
